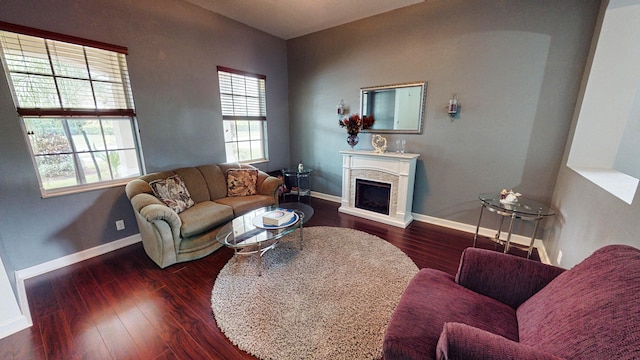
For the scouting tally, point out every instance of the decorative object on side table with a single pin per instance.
(379, 143)
(354, 124)
(508, 196)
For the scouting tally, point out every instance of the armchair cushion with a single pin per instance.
(173, 192)
(508, 279)
(464, 342)
(242, 182)
(433, 298)
(590, 311)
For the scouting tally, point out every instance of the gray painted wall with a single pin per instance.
(590, 217)
(174, 48)
(515, 66)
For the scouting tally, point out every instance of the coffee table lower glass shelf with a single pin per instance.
(245, 238)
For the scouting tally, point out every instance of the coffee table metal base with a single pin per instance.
(262, 250)
(245, 238)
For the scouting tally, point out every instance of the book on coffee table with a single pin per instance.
(277, 217)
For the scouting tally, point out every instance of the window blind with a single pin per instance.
(242, 95)
(51, 77)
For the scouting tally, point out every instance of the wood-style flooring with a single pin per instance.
(122, 306)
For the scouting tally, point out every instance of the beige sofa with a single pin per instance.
(170, 237)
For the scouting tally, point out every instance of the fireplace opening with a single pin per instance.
(373, 196)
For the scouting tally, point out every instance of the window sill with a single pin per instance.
(84, 188)
(616, 183)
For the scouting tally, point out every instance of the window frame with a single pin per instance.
(233, 118)
(92, 113)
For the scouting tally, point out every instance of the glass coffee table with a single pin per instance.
(246, 234)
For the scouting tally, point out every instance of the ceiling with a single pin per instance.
(288, 19)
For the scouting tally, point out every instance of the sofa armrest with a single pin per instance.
(152, 209)
(137, 186)
(156, 212)
(270, 187)
(507, 278)
(461, 341)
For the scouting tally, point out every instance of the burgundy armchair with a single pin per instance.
(503, 307)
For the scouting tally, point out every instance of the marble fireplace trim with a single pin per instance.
(379, 176)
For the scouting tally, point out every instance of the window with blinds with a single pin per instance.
(244, 114)
(76, 106)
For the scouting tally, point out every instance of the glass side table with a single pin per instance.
(523, 209)
(300, 182)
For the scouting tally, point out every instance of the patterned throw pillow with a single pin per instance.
(173, 193)
(242, 182)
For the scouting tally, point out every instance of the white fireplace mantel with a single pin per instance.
(395, 169)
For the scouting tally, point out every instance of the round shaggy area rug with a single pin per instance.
(331, 300)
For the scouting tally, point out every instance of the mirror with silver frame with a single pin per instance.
(396, 108)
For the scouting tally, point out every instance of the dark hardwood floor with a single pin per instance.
(122, 306)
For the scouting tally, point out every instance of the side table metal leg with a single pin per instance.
(506, 246)
(499, 229)
(475, 237)
(533, 237)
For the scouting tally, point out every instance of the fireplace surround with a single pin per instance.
(394, 171)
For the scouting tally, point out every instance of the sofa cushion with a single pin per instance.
(204, 216)
(244, 204)
(242, 182)
(173, 192)
(590, 311)
(194, 181)
(427, 304)
(215, 179)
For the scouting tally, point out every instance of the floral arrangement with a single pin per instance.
(355, 123)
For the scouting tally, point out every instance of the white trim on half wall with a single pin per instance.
(11, 319)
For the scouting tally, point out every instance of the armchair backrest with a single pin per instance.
(591, 311)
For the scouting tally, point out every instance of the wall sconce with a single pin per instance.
(340, 108)
(454, 107)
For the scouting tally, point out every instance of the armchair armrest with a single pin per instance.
(461, 341)
(506, 278)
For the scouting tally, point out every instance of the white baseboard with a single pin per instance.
(12, 326)
(517, 239)
(327, 197)
(33, 271)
